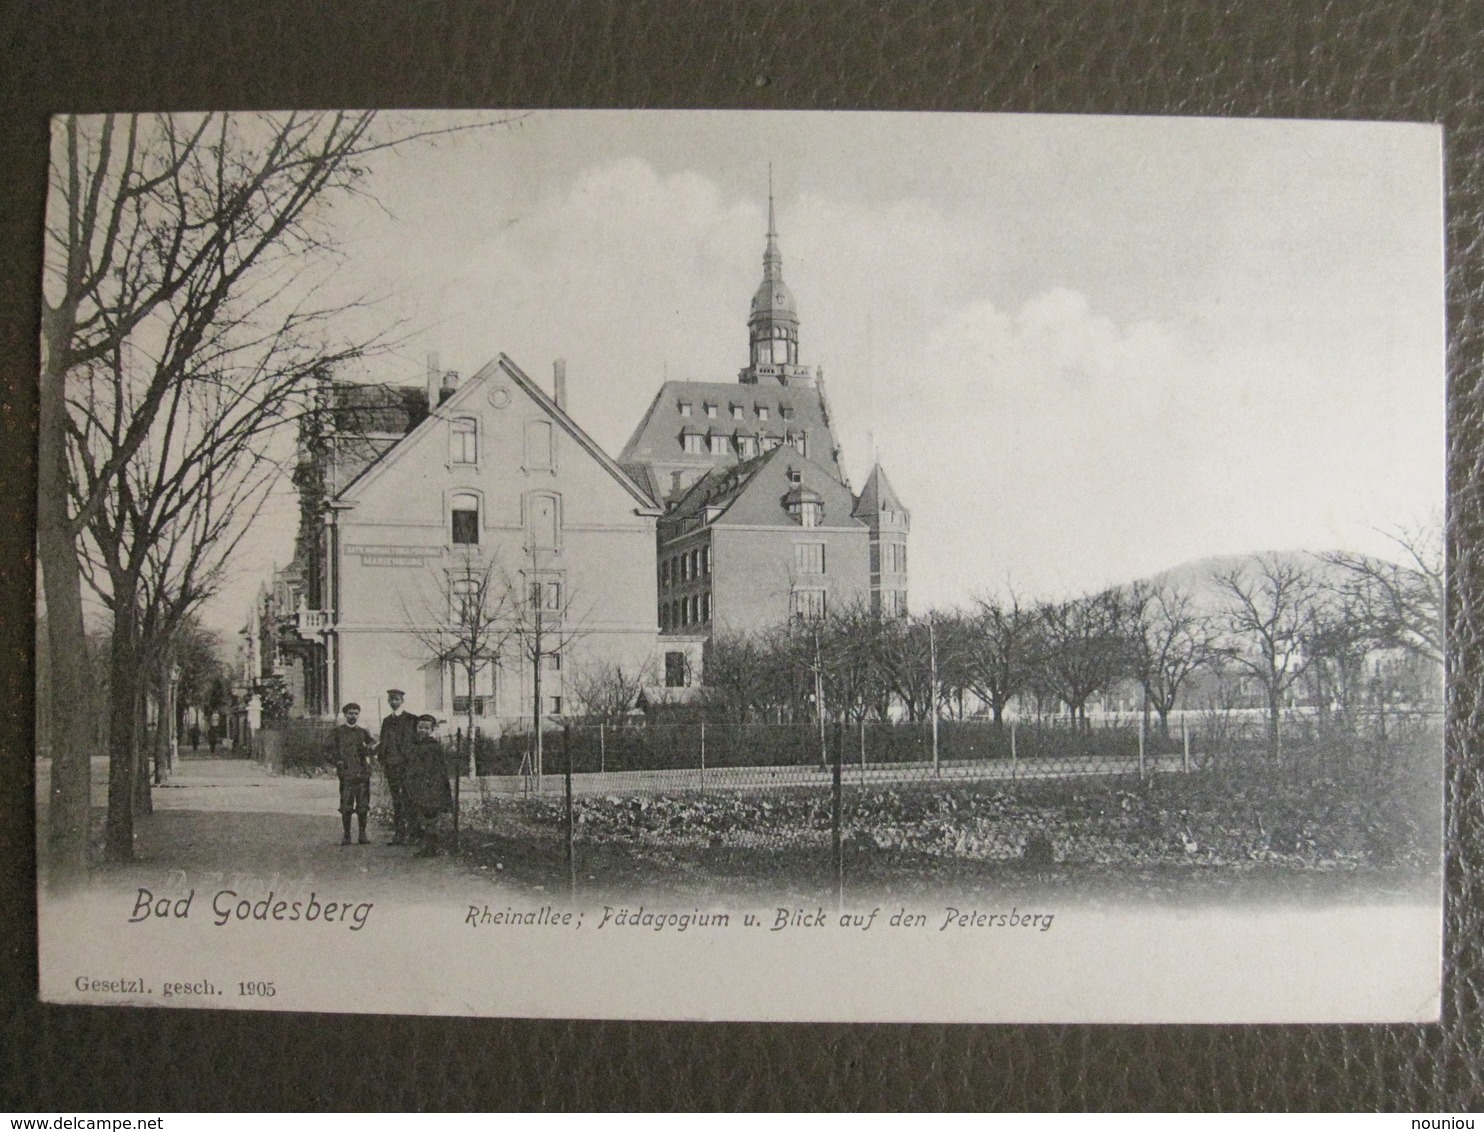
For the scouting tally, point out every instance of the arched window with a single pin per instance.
(464, 441)
(465, 519)
(543, 515)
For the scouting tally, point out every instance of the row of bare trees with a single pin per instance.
(182, 324)
(1280, 626)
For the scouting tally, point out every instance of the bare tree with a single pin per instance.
(1170, 640)
(1082, 647)
(466, 624)
(1269, 606)
(997, 652)
(1401, 603)
(605, 691)
(169, 242)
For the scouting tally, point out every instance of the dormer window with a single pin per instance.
(464, 441)
(795, 477)
(737, 411)
(711, 410)
(685, 408)
(786, 412)
(770, 442)
(695, 444)
(747, 447)
(719, 443)
(762, 412)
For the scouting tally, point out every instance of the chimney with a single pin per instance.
(674, 487)
(559, 383)
(448, 386)
(435, 380)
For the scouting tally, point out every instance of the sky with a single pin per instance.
(1085, 349)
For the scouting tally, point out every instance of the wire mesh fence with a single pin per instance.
(850, 803)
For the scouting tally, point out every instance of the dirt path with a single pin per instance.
(224, 821)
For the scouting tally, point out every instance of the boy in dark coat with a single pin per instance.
(428, 791)
(349, 751)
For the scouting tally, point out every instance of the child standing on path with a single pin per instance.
(349, 750)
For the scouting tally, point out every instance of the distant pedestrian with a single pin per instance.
(428, 790)
(349, 750)
(212, 738)
(195, 736)
(398, 734)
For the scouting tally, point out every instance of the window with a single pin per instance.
(711, 410)
(695, 444)
(546, 595)
(664, 615)
(539, 453)
(685, 408)
(705, 608)
(554, 706)
(465, 511)
(811, 513)
(893, 603)
(718, 444)
(553, 662)
(464, 441)
(747, 446)
(480, 699)
(695, 609)
(786, 412)
(808, 605)
(762, 412)
(695, 563)
(736, 411)
(464, 601)
(705, 560)
(771, 442)
(675, 670)
(543, 516)
(664, 573)
(896, 557)
(809, 558)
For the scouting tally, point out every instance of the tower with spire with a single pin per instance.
(773, 322)
(761, 526)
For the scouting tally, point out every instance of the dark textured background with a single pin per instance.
(1417, 62)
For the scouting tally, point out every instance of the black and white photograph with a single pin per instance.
(797, 566)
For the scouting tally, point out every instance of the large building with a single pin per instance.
(760, 523)
(424, 509)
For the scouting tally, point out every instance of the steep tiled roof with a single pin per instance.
(359, 408)
(752, 493)
(657, 440)
(877, 495)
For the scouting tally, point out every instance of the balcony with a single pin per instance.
(312, 621)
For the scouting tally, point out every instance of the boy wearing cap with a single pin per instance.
(428, 791)
(398, 733)
(349, 751)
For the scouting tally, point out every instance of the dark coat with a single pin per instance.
(349, 752)
(398, 734)
(427, 777)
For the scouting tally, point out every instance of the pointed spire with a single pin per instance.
(772, 260)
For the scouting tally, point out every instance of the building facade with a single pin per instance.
(760, 523)
(470, 526)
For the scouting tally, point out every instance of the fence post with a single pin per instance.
(567, 773)
(838, 815)
(703, 754)
(1185, 743)
(862, 726)
(1141, 748)
(1014, 755)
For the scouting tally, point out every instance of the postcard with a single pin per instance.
(742, 566)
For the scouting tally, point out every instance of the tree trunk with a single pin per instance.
(143, 799)
(122, 726)
(1275, 713)
(66, 643)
